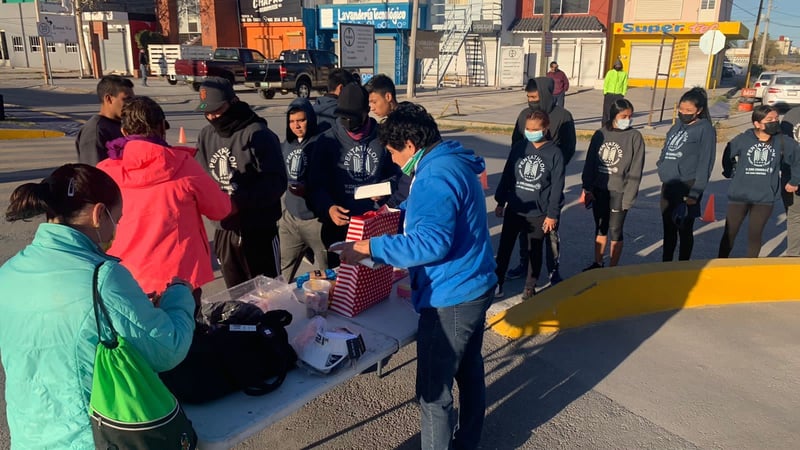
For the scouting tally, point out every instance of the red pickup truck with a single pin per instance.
(226, 62)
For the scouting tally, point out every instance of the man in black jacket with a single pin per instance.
(325, 106)
(562, 133)
(105, 126)
(244, 157)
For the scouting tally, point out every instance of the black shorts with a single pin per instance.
(609, 217)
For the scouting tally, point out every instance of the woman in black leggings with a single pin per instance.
(753, 161)
(684, 168)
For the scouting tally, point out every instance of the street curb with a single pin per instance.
(8, 134)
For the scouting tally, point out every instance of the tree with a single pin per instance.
(147, 37)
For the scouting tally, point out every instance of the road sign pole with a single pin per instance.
(43, 46)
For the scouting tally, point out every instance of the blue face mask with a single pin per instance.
(534, 136)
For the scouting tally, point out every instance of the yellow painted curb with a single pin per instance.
(29, 134)
(613, 293)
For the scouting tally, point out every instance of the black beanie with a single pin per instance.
(531, 86)
(353, 101)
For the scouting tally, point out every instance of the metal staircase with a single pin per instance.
(457, 24)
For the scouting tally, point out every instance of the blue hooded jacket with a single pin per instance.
(445, 243)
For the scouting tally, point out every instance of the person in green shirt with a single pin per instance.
(615, 86)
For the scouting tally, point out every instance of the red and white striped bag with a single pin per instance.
(357, 286)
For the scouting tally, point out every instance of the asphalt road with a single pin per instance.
(708, 378)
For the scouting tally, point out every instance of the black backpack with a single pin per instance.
(236, 347)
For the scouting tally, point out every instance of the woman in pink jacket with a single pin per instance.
(165, 192)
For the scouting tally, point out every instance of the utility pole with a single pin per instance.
(411, 89)
(545, 32)
(763, 52)
(753, 43)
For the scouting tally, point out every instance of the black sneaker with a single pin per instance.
(593, 266)
(498, 291)
(517, 272)
(555, 277)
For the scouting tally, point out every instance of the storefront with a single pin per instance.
(272, 26)
(392, 24)
(638, 46)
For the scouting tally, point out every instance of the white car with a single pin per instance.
(736, 69)
(761, 84)
(783, 89)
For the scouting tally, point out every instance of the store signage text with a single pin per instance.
(381, 16)
(677, 28)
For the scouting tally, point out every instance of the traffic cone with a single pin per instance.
(484, 180)
(708, 214)
(182, 136)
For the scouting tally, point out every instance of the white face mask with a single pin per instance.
(624, 124)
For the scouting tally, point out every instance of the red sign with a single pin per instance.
(748, 92)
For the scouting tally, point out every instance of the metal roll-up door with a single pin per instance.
(564, 55)
(696, 68)
(534, 46)
(590, 63)
(386, 60)
(644, 59)
(114, 52)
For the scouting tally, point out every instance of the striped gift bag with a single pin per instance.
(357, 286)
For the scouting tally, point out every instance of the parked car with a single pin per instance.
(226, 62)
(162, 58)
(783, 89)
(295, 71)
(761, 83)
(731, 69)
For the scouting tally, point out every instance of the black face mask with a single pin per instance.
(350, 124)
(534, 106)
(686, 118)
(772, 128)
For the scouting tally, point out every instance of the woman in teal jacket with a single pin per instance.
(48, 334)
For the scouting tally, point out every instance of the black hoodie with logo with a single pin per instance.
(688, 155)
(532, 183)
(562, 126)
(754, 167)
(244, 156)
(614, 162)
(296, 156)
(341, 164)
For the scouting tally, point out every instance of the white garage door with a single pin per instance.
(644, 59)
(696, 68)
(385, 59)
(564, 54)
(590, 64)
(114, 52)
(533, 59)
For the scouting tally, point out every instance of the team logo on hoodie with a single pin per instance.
(296, 163)
(531, 169)
(361, 162)
(674, 144)
(760, 158)
(610, 154)
(222, 166)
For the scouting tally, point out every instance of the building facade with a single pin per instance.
(671, 30)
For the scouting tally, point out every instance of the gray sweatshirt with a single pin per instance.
(688, 154)
(614, 162)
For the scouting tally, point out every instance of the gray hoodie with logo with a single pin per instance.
(614, 162)
(688, 155)
(754, 167)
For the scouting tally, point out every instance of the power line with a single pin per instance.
(742, 9)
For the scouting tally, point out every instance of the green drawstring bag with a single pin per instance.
(130, 407)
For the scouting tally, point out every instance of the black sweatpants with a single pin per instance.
(245, 254)
(759, 214)
(672, 195)
(515, 225)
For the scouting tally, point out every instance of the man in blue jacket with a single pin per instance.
(447, 249)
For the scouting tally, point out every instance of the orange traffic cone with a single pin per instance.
(182, 136)
(708, 214)
(484, 180)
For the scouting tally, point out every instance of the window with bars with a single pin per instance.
(36, 45)
(708, 4)
(51, 47)
(18, 43)
(562, 6)
(71, 47)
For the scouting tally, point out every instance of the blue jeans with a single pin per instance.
(449, 342)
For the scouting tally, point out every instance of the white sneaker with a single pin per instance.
(498, 291)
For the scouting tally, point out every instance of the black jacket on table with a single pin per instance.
(341, 164)
(754, 167)
(614, 162)
(562, 127)
(244, 157)
(688, 155)
(532, 183)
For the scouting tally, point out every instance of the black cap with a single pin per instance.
(214, 93)
(353, 101)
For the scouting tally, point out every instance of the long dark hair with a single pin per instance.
(761, 111)
(698, 97)
(63, 194)
(616, 107)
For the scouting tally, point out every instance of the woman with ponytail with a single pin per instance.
(48, 334)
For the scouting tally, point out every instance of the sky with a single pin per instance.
(784, 18)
